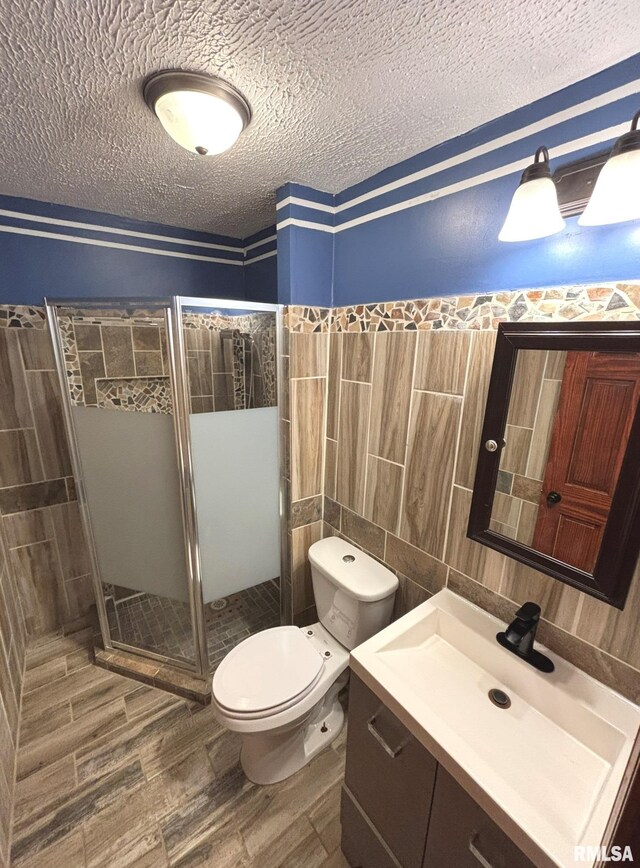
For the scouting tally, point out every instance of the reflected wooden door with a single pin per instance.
(596, 408)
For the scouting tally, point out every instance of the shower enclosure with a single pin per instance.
(171, 408)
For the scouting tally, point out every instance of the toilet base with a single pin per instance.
(270, 757)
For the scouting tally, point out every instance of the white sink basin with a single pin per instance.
(552, 762)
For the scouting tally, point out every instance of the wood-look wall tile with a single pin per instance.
(330, 460)
(14, 398)
(91, 369)
(559, 602)
(613, 630)
(118, 351)
(40, 584)
(19, 458)
(429, 472)
(88, 336)
(37, 350)
(24, 528)
(285, 389)
(145, 337)
(357, 356)
(308, 355)
(79, 597)
(527, 382)
(302, 588)
(335, 373)
(352, 444)
(46, 402)
(441, 361)
(363, 533)
(516, 453)
(541, 439)
(556, 360)
(482, 346)
(383, 493)
(307, 411)
(332, 512)
(468, 557)
(148, 364)
(391, 395)
(408, 596)
(416, 564)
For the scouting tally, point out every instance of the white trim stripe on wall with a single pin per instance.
(261, 256)
(507, 169)
(136, 248)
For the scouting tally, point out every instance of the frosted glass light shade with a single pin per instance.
(202, 113)
(616, 197)
(200, 122)
(534, 212)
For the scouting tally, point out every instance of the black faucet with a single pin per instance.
(520, 636)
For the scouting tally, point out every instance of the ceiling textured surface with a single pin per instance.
(339, 89)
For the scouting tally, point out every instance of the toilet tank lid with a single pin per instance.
(351, 569)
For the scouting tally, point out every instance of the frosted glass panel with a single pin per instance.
(235, 462)
(133, 495)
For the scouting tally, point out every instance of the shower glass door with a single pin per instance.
(120, 405)
(230, 382)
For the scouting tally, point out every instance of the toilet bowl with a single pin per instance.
(279, 689)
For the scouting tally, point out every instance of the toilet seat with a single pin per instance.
(267, 673)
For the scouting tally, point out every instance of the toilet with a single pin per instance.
(279, 688)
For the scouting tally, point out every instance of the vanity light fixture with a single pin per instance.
(616, 197)
(534, 211)
(202, 113)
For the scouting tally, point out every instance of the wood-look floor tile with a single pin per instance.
(325, 817)
(336, 860)
(120, 742)
(85, 801)
(290, 799)
(297, 845)
(56, 645)
(215, 851)
(66, 688)
(126, 822)
(44, 674)
(165, 748)
(34, 793)
(67, 852)
(100, 694)
(43, 721)
(173, 787)
(146, 701)
(79, 659)
(69, 738)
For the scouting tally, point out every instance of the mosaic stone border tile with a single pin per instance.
(250, 323)
(307, 319)
(606, 301)
(22, 316)
(137, 394)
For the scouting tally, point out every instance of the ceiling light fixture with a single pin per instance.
(203, 114)
(616, 197)
(534, 211)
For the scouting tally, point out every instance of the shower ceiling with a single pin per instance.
(339, 90)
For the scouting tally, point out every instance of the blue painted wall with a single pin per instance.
(57, 251)
(429, 226)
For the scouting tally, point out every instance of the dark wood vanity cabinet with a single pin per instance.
(401, 809)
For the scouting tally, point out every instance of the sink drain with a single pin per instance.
(499, 698)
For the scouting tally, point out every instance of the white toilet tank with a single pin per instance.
(354, 593)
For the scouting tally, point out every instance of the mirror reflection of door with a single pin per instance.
(596, 407)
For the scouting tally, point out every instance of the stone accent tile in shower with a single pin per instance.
(148, 363)
(117, 348)
(140, 394)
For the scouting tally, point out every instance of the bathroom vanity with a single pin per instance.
(439, 776)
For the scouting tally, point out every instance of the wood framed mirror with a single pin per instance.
(557, 483)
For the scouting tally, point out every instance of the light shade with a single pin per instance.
(616, 197)
(534, 211)
(204, 115)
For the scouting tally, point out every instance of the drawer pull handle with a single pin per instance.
(477, 854)
(393, 752)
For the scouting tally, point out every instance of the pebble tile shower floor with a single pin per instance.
(112, 773)
(164, 625)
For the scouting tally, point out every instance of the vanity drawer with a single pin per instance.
(360, 844)
(461, 835)
(390, 774)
